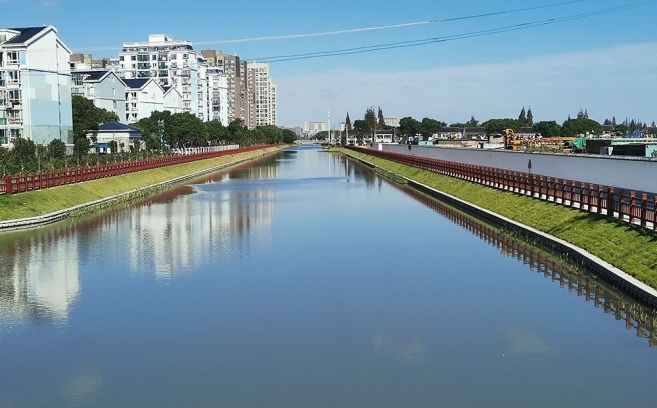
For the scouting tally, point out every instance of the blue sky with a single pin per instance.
(604, 63)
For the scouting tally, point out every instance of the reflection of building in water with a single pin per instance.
(203, 228)
(637, 317)
(39, 276)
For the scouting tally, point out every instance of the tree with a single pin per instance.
(347, 122)
(361, 126)
(381, 120)
(574, 127)
(530, 117)
(523, 115)
(472, 122)
(87, 117)
(185, 130)
(216, 132)
(430, 126)
(409, 127)
(548, 128)
(24, 154)
(497, 126)
(237, 132)
(57, 149)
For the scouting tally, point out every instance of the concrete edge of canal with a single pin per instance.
(601, 268)
(46, 219)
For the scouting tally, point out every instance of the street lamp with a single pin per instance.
(160, 126)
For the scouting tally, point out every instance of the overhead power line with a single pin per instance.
(454, 37)
(364, 29)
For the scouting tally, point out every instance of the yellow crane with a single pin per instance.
(512, 141)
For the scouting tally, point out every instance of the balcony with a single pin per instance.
(15, 120)
(143, 66)
(162, 66)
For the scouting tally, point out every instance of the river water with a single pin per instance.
(305, 280)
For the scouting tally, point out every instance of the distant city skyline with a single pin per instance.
(598, 60)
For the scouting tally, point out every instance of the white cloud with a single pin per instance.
(620, 81)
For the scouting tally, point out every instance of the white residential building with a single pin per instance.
(264, 94)
(311, 128)
(167, 61)
(172, 100)
(235, 70)
(143, 97)
(218, 95)
(35, 86)
(391, 121)
(104, 88)
(203, 103)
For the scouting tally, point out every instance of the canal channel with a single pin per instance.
(304, 279)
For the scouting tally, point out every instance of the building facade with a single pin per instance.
(264, 94)
(35, 86)
(168, 62)
(104, 88)
(218, 95)
(235, 70)
(143, 97)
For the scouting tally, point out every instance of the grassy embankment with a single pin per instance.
(35, 203)
(630, 248)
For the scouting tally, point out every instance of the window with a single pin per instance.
(114, 92)
(133, 58)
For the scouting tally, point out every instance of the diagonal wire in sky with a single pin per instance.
(419, 42)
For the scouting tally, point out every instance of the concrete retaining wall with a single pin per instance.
(631, 174)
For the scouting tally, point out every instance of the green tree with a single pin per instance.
(409, 127)
(430, 126)
(497, 126)
(289, 136)
(530, 117)
(87, 117)
(370, 118)
(381, 122)
(57, 149)
(581, 125)
(347, 122)
(238, 133)
(472, 122)
(548, 128)
(185, 130)
(217, 132)
(24, 154)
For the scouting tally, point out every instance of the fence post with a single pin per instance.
(644, 210)
(600, 198)
(8, 187)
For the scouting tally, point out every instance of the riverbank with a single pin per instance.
(45, 206)
(628, 248)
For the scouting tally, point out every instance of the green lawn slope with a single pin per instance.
(41, 202)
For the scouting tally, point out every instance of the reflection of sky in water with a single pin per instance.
(524, 342)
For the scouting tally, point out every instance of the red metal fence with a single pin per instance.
(47, 179)
(637, 208)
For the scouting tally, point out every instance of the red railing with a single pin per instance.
(47, 179)
(636, 208)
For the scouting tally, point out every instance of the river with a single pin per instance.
(306, 280)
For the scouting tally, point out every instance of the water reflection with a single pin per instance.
(39, 278)
(636, 316)
(170, 233)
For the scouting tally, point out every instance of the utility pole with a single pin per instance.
(329, 127)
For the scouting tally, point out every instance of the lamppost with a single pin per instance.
(160, 126)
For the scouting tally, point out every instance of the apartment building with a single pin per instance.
(168, 62)
(264, 94)
(143, 97)
(35, 86)
(217, 95)
(104, 88)
(235, 70)
(86, 62)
